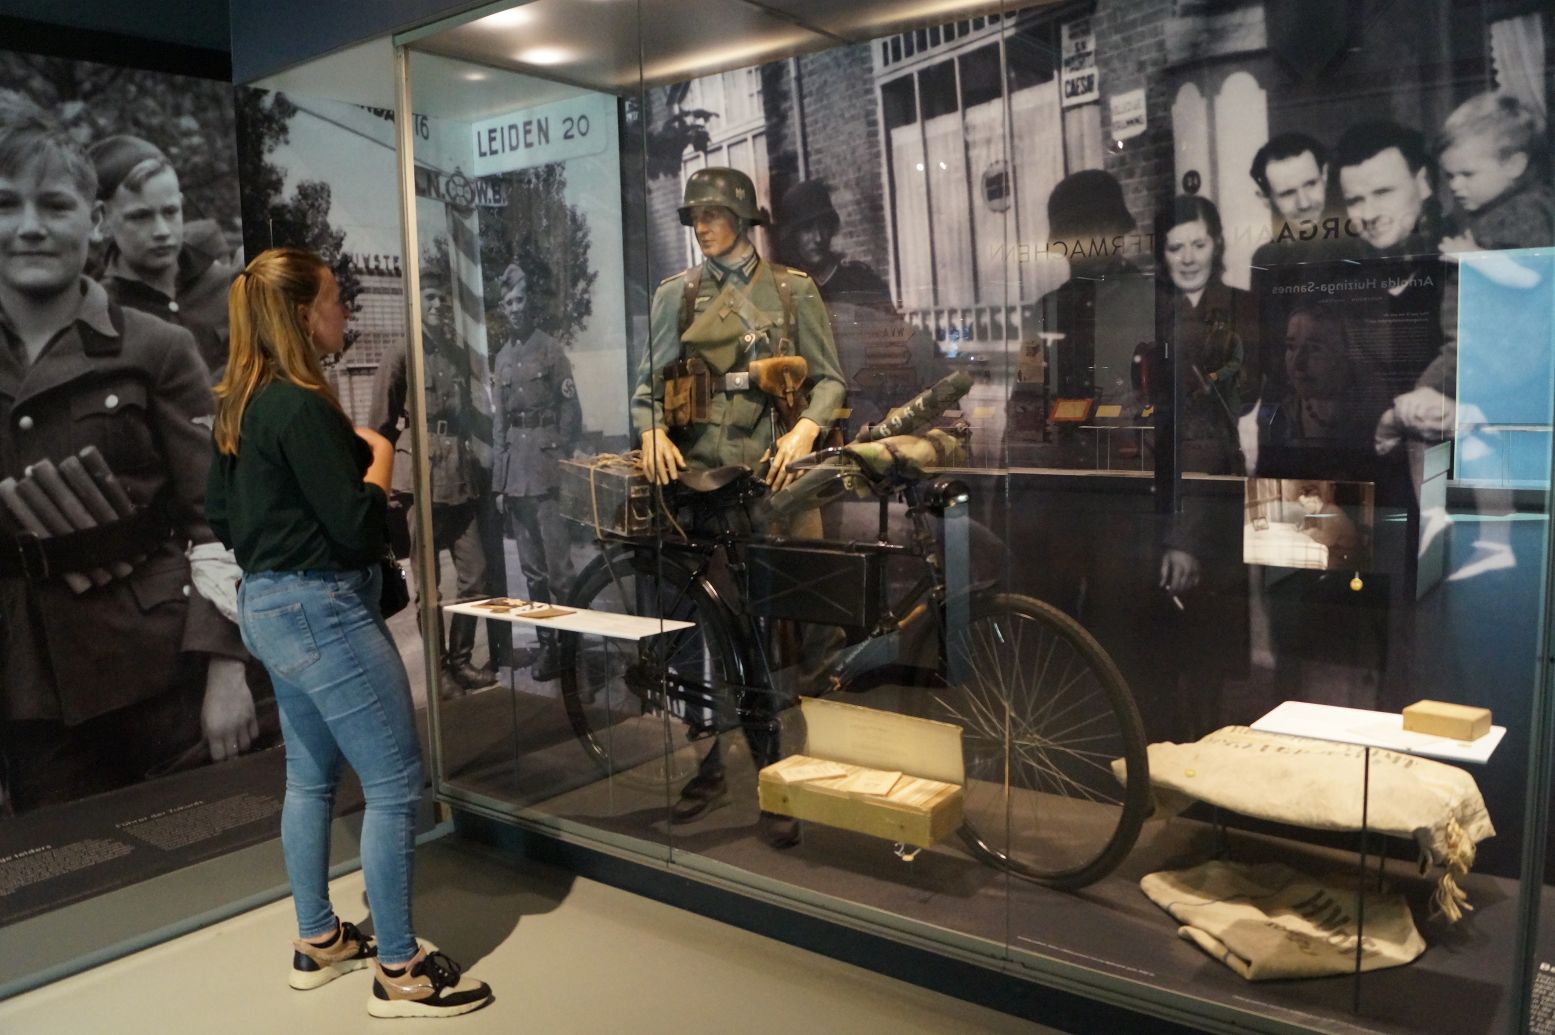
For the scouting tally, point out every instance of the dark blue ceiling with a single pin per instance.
(190, 23)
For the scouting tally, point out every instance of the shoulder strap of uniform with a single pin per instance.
(786, 294)
(688, 296)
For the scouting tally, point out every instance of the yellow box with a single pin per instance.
(917, 812)
(1441, 719)
(916, 765)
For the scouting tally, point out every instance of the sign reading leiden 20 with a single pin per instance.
(572, 128)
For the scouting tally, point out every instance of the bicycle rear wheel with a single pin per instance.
(1044, 712)
(646, 711)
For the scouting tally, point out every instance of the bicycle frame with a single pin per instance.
(943, 589)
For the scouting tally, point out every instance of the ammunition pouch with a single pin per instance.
(688, 392)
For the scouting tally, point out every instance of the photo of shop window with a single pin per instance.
(1306, 523)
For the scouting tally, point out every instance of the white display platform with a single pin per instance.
(1374, 729)
(590, 623)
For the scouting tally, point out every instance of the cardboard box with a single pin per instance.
(890, 776)
(1441, 719)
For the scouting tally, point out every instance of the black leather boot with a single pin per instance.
(548, 662)
(461, 648)
(707, 789)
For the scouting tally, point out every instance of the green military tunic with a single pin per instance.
(738, 317)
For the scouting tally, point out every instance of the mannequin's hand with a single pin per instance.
(1179, 572)
(661, 460)
(796, 443)
(227, 716)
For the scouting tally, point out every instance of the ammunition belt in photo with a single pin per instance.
(33, 557)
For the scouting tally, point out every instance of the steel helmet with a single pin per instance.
(727, 187)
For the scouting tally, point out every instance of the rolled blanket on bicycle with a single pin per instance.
(1267, 921)
(1318, 784)
(919, 412)
(908, 456)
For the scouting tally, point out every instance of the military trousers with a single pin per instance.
(456, 528)
(535, 524)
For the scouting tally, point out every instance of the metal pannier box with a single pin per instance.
(609, 495)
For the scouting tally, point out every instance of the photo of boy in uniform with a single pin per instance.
(77, 370)
(154, 260)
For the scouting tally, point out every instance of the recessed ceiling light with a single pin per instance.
(506, 19)
(475, 76)
(544, 56)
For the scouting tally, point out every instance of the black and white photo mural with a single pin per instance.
(128, 705)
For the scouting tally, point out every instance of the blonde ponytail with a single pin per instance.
(268, 338)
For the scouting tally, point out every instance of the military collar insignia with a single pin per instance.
(746, 269)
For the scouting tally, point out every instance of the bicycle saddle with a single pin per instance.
(711, 479)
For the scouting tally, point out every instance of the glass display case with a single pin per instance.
(1099, 422)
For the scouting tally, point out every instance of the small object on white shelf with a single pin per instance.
(1443, 719)
(1374, 729)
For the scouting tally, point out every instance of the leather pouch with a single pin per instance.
(688, 392)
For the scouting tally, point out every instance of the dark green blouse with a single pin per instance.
(293, 498)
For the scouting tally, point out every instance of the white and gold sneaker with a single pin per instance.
(430, 985)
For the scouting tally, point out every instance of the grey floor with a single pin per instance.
(563, 954)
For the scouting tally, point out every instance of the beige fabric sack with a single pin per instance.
(1267, 921)
(1317, 784)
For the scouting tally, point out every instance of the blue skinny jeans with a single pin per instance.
(342, 694)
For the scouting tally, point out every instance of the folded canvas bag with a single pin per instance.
(1268, 921)
(1317, 784)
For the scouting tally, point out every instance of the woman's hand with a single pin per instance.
(375, 440)
(661, 460)
(381, 471)
(796, 443)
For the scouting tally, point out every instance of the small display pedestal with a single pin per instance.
(589, 623)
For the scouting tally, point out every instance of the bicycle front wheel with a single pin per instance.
(1044, 713)
(645, 711)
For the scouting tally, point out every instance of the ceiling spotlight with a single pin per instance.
(475, 76)
(506, 19)
(544, 56)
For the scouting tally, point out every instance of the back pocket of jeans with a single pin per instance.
(284, 640)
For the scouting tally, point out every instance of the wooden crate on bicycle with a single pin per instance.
(608, 493)
(891, 776)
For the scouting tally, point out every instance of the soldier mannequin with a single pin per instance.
(738, 313)
(458, 476)
(538, 420)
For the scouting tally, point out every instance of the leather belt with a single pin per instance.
(27, 556)
(532, 420)
(739, 381)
